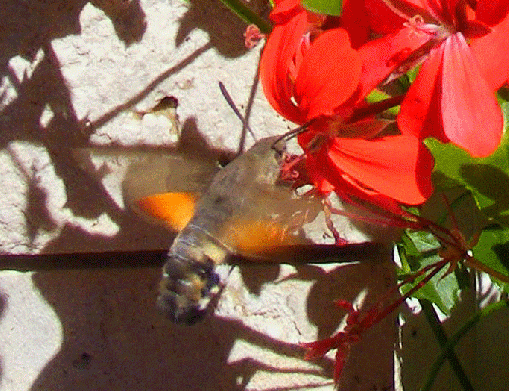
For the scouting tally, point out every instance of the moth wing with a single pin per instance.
(270, 229)
(271, 220)
(164, 188)
(158, 185)
(173, 209)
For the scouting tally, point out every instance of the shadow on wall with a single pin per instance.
(28, 29)
(114, 339)
(132, 348)
(482, 356)
(225, 29)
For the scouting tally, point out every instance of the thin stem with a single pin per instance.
(440, 335)
(373, 315)
(436, 267)
(247, 15)
(376, 108)
(475, 264)
(382, 217)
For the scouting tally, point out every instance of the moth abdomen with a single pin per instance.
(189, 277)
(185, 289)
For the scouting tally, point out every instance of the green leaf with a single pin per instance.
(486, 178)
(454, 208)
(503, 95)
(412, 74)
(454, 339)
(418, 250)
(377, 96)
(247, 15)
(325, 7)
(493, 251)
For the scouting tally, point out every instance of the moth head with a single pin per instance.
(185, 289)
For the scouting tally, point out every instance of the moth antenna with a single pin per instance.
(229, 99)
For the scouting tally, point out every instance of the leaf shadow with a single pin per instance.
(29, 28)
(493, 183)
(225, 34)
(28, 31)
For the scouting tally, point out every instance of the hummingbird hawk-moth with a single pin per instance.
(244, 210)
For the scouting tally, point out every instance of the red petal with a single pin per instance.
(354, 19)
(368, 128)
(385, 20)
(285, 10)
(275, 62)
(329, 74)
(492, 54)
(354, 193)
(396, 166)
(475, 29)
(385, 55)
(471, 115)
(491, 12)
(420, 110)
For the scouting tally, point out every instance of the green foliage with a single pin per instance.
(487, 180)
(472, 196)
(493, 251)
(325, 7)
(418, 250)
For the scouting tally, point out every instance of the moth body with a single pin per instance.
(188, 276)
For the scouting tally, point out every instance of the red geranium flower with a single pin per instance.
(466, 55)
(396, 166)
(313, 74)
(297, 46)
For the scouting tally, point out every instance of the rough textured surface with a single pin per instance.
(71, 73)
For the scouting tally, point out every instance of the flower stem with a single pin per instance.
(376, 108)
(474, 263)
(435, 268)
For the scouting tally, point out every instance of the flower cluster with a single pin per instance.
(320, 70)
